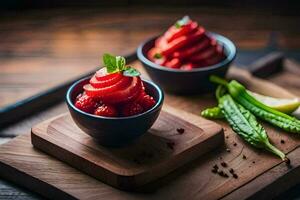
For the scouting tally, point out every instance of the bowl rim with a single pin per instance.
(153, 109)
(224, 40)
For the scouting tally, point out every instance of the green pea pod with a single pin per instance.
(245, 125)
(260, 110)
(212, 113)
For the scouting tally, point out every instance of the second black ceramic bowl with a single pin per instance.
(114, 131)
(195, 81)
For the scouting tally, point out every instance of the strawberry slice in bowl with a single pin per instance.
(182, 59)
(114, 106)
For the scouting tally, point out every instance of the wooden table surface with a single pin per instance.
(40, 49)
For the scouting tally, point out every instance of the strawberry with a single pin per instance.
(174, 32)
(118, 93)
(113, 85)
(86, 103)
(132, 109)
(110, 80)
(187, 66)
(147, 102)
(174, 63)
(106, 110)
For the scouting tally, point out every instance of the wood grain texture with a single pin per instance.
(39, 42)
(152, 156)
(35, 45)
(196, 181)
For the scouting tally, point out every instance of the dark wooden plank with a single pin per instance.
(43, 50)
(48, 162)
(31, 105)
(206, 185)
(272, 183)
(71, 41)
(147, 159)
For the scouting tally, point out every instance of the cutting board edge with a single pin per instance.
(279, 174)
(27, 180)
(10, 172)
(123, 181)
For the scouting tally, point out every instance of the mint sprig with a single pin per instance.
(182, 21)
(129, 71)
(115, 64)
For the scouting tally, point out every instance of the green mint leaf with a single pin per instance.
(157, 56)
(129, 71)
(120, 61)
(182, 21)
(110, 62)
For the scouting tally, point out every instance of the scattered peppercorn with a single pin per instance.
(224, 164)
(244, 157)
(282, 141)
(214, 170)
(234, 144)
(170, 145)
(228, 150)
(216, 166)
(180, 130)
(227, 137)
(253, 162)
(231, 171)
(235, 176)
(221, 173)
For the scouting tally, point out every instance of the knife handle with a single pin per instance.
(263, 67)
(267, 65)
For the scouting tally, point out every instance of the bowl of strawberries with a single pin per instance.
(114, 106)
(182, 59)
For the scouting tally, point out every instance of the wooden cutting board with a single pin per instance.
(159, 151)
(260, 175)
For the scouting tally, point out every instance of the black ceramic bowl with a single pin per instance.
(114, 131)
(195, 81)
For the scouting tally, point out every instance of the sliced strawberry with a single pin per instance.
(103, 75)
(100, 84)
(152, 56)
(106, 111)
(86, 103)
(132, 109)
(120, 94)
(187, 66)
(110, 85)
(152, 52)
(206, 53)
(183, 41)
(147, 102)
(188, 51)
(220, 51)
(160, 42)
(214, 59)
(174, 32)
(99, 92)
(174, 63)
